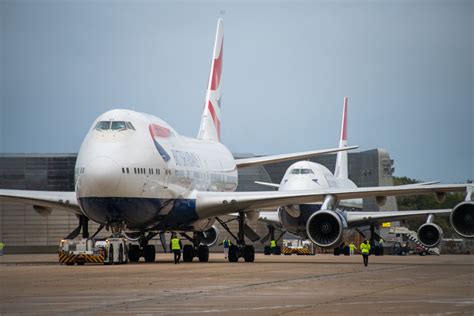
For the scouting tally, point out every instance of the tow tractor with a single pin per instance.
(298, 247)
(88, 250)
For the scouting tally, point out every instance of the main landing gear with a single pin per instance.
(148, 252)
(195, 250)
(241, 250)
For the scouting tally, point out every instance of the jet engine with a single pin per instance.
(430, 234)
(462, 219)
(209, 237)
(326, 228)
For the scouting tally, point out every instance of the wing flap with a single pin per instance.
(355, 219)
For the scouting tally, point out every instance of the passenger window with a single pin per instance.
(295, 171)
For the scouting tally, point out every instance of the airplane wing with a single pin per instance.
(43, 200)
(248, 162)
(211, 204)
(356, 219)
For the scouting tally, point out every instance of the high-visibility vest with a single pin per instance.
(175, 244)
(226, 243)
(2, 245)
(364, 248)
(381, 241)
(273, 244)
(351, 246)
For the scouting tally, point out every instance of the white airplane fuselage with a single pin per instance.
(308, 176)
(146, 175)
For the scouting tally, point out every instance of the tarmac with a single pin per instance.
(272, 285)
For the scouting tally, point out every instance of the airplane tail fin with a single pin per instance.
(210, 128)
(341, 161)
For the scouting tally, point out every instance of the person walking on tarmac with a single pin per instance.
(352, 247)
(365, 250)
(176, 247)
(273, 246)
(381, 241)
(226, 243)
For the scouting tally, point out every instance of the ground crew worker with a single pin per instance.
(2, 245)
(176, 248)
(365, 250)
(352, 247)
(273, 246)
(381, 242)
(226, 243)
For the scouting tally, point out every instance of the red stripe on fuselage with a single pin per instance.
(159, 131)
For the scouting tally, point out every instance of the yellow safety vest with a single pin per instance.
(273, 244)
(351, 246)
(364, 248)
(175, 244)
(2, 245)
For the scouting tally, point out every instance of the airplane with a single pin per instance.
(138, 177)
(327, 223)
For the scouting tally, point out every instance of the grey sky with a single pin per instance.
(407, 67)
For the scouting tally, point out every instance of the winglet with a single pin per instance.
(341, 170)
(210, 128)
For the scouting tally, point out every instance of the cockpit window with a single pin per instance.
(103, 125)
(114, 125)
(129, 125)
(118, 125)
(302, 171)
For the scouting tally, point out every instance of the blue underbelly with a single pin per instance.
(141, 213)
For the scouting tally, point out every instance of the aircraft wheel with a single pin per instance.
(149, 253)
(188, 253)
(134, 253)
(267, 250)
(69, 263)
(233, 253)
(203, 253)
(278, 250)
(249, 254)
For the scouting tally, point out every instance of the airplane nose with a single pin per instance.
(102, 176)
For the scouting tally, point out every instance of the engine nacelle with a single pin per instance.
(430, 234)
(293, 210)
(462, 219)
(380, 200)
(209, 237)
(326, 228)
